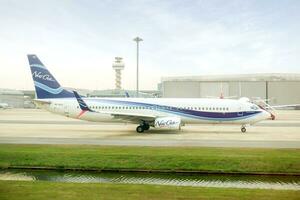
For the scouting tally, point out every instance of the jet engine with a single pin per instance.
(167, 122)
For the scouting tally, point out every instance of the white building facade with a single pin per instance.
(278, 88)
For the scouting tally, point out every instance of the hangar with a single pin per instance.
(279, 88)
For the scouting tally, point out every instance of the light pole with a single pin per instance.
(137, 40)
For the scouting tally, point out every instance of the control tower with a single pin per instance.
(118, 65)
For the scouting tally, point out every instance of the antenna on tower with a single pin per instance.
(118, 65)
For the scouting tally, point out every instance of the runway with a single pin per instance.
(23, 126)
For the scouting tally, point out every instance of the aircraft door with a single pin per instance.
(240, 113)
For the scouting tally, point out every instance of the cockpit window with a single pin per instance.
(254, 107)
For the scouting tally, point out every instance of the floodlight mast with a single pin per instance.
(137, 40)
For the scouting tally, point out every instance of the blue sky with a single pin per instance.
(78, 40)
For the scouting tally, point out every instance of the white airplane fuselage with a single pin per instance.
(189, 110)
(147, 112)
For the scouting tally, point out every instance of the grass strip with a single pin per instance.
(227, 160)
(23, 190)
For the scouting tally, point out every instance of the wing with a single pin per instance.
(131, 117)
(127, 117)
(286, 106)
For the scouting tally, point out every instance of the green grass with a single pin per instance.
(249, 160)
(14, 190)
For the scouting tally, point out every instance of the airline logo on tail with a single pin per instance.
(40, 75)
(46, 86)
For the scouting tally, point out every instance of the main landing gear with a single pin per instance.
(243, 129)
(143, 127)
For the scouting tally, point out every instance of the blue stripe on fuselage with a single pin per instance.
(215, 116)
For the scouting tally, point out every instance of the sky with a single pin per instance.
(77, 40)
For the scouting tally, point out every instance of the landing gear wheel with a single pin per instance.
(146, 127)
(140, 129)
(243, 129)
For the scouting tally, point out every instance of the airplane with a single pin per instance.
(160, 113)
(4, 106)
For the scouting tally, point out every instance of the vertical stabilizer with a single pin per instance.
(46, 86)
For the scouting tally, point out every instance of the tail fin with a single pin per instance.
(82, 104)
(46, 86)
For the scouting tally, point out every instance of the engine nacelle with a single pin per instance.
(167, 122)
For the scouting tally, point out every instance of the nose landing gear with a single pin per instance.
(243, 129)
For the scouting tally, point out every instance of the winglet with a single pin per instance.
(81, 103)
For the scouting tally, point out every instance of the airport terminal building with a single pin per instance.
(279, 88)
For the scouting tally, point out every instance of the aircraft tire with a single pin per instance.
(140, 129)
(243, 129)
